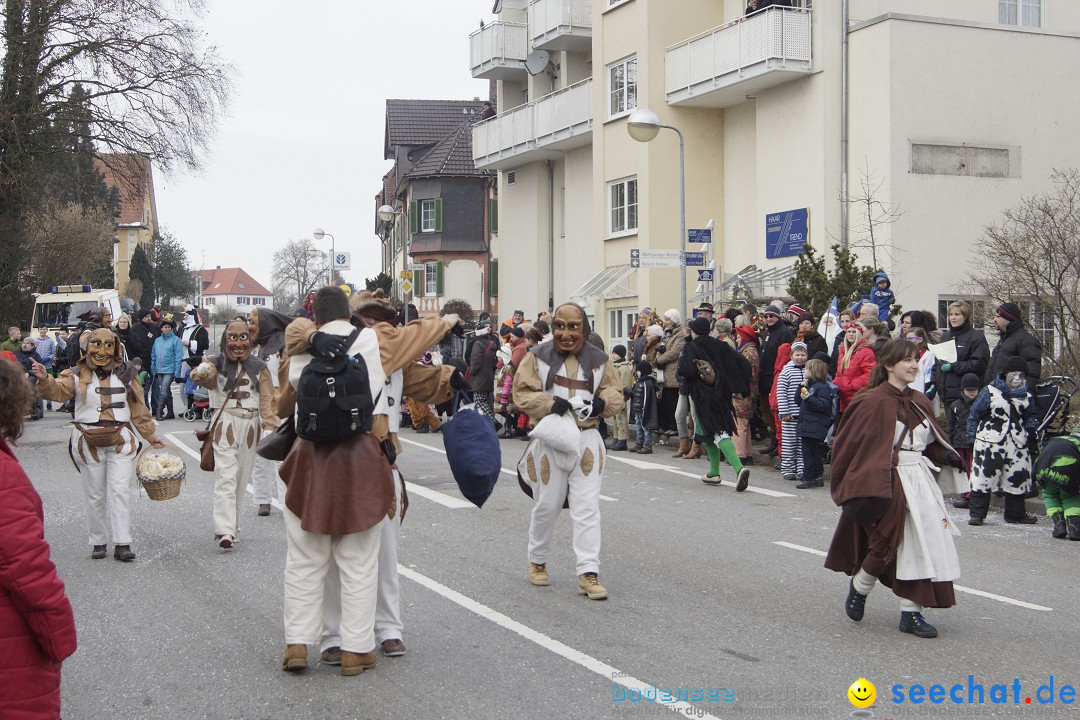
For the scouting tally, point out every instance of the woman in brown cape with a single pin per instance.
(894, 526)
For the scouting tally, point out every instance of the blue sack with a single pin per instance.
(472, 448)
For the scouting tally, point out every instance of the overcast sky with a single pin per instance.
(302, 145)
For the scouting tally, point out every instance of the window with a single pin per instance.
(1024, 13)
(258, 301)
(241, 300)
(624, 205)
(240, 285)
(425, 216)
(620, 323)
(622, 87)
(217, 285)
(209, 301)
(430, 272)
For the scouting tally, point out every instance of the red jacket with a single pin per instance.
(37, 627)
(857, 374)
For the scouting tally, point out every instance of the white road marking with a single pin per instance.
(183, 446)
(958, 588)
(646, 465)
(435, 496)
(588, 662)
(511, 473)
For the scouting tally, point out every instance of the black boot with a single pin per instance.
(98, 553)
(618, 445)
(855, 605)
(1016, 513)
(978, 504)
(912, 622)
(1059, 532)
(123, 553)
(1073, 526)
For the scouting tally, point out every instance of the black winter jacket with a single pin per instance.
(645, 403)
(972, 356)
(482, 364)
(815, 412)
(771, 341)
(1016, 342)
(956, 421)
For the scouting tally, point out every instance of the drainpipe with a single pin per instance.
(551, 234)
(844, 128)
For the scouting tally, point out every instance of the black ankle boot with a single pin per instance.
(912, 622)
(123, 553)
(1073, 526)
(1059, 532)
(855, 605)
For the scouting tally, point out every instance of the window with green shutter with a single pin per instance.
(418, 283)
(414, 217)
(493, 278)
(439, 278)
(493, 215)
(438, 214)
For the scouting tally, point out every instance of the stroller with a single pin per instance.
(200, 405)
(1052, 396)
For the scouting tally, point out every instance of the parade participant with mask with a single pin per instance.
(196, 341)
(103, 444)
(567, 375)
(266, 330)
(242, 390)
(1001, 428)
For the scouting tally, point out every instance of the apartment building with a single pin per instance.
(137, 220)
(955, 110)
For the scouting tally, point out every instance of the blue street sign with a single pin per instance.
(699, 235)
(695, 259)
(705, 275)
(786, 232)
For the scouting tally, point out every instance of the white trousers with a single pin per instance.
(107, 484)
(388, 624)
(584, 491)
(307, 561)
(264, 481)
(235, 440)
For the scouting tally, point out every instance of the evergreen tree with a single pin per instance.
(142, 271)
(173, 277)
(814, 286)
(382, 280)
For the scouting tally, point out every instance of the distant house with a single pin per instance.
(232, 287)
(137, 221)
(446, 207)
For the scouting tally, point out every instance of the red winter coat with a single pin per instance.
(37, 627)
(857, 374)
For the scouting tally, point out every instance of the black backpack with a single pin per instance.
(333, 398)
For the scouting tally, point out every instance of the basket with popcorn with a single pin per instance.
(160, 471)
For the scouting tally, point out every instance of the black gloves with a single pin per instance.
(560, 406)
(661, 349)
(954, 460)
(596, 407)
(627, 393)
(457, 380)
(327, 345)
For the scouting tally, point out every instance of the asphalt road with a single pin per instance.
(720, 594)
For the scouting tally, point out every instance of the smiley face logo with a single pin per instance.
(862, 693)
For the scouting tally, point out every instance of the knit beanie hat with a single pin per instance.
(970, 381)
(699, 326)
(673, 315)
(798, 346)
(1015, 364)
(1010, 311)
(772, 310)
(655, 330)
(619, 350)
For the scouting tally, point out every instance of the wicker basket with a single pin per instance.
(160, 487)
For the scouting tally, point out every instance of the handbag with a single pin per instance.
(705, 371)
(658, 373)
(100, 436)
(472, 449)
(206, 437)
(276, 445)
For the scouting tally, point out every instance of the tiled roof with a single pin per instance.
(128, 174)
(451, 156)
(425, 122)
(230, 281)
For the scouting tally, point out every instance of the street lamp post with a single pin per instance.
(319, 234)
(387, 214)
(644, 125)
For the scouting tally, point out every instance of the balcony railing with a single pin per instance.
(497, 51)
(720, 67)
(561, 24)
(539, 130)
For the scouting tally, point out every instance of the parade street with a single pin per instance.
(716, 597)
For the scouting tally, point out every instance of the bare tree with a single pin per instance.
(1032, 257)
(868, 213)
(299, 269)
(64, 243)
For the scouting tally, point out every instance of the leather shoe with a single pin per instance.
(98, 553)
(264, 509)
(975, 521)
(1024, 520)
(912, 622)
(961, 503)
(295, 658)
(356, 663)
(855, 605)
(809, 484)
(393, 647)
(123, 553)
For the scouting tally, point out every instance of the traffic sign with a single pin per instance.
(695, 259)
(705, 275)
(347, 289)
(699, 235)
(416, 266)
(406, 274)
(655, 258)
(342, 261)
(406, 286)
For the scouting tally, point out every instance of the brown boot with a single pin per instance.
(694, 452)
(684, 447)
(295, 658)
(356, 663)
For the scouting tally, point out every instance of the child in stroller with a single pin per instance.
(200, 405)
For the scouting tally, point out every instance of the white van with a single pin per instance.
(63, 304)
